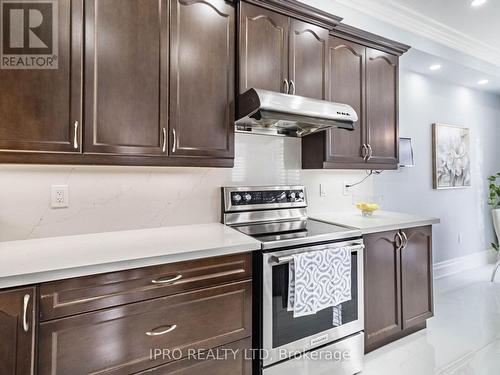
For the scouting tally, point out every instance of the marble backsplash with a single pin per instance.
(119, 198)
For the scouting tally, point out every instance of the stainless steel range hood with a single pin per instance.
(272, 113)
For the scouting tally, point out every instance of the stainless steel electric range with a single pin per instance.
(308, 345)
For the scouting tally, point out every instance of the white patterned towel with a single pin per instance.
(318, 280)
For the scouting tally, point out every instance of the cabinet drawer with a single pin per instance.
(74, 296)
(116, 340)
(233, 359)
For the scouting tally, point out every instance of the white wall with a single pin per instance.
(118, 198)
(423, 101)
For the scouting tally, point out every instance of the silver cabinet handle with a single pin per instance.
(164, 147)
(165, 330)
(167, 281)
(365, 151)
(292, 87)
(174, 141)
(25, 312)
(405, 240)
(400, 244)
(75, 138)
(287, 86)
(370, 152)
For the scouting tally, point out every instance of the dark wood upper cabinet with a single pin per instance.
(416, 271)
(398, 284)
(125, 84)
(17, 331)
(202, 78)
(308, 74)
(382, 74)
(263, 48)
(281, 54)
(40, 109)
(363, 72)
(382, 287)
(347, 85)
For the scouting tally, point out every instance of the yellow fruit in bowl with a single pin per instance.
(363, 206)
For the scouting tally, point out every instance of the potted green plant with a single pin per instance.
(494, 202)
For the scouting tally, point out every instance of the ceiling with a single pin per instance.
(481, 23)
(465, 40)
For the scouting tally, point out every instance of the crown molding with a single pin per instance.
(296, 9)
(370, 40)
(405, 18)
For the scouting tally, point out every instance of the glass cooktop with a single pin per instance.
(296, 232)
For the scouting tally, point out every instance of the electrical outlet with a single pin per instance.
(59, 196)
(322, 190)
(460, 238)
(345, 189)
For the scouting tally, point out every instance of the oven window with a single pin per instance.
(287, 329)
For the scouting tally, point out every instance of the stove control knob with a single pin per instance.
(237, 198)
(248, 197)
(292, 195)
(301, 195)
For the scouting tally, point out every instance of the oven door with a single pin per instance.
(284, 335)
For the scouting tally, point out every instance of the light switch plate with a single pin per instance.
(59, 196)
(322, 190)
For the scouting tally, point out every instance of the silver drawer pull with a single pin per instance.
(292, 87)
(174, 142)
(287, 86)
(164, 330)
(75, 138)
(25, 312)
(365, 151)
(164, 146)
(370, 152)
(405, 240)
(167, 281)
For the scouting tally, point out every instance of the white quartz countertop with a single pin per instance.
(380, 221)
(32, 261)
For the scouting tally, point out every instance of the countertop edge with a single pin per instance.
(88, 270)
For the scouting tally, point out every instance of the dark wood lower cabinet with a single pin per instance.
(398, 284)
(416, 281)
(17, 331)
(59, 299)
(233, 359)
(120, 340)
(382, 287)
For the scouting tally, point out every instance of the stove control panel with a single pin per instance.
(241, 198)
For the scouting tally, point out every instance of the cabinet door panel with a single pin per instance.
(347, 85)
(382, 106)
(202, 78)
(236, 362)
(39, 107)
(124, 82)
(263, 49)
(416, 274)
(118, 340)
(17, 344)
(382, 287)
(307, 61)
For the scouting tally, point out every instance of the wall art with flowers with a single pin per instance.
(451, 156)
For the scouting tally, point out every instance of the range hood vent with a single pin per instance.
(271, 113)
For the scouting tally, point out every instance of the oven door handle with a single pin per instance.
(288, 259)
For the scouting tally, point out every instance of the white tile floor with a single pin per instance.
(462, 339)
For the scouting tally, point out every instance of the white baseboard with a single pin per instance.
(457, 265)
